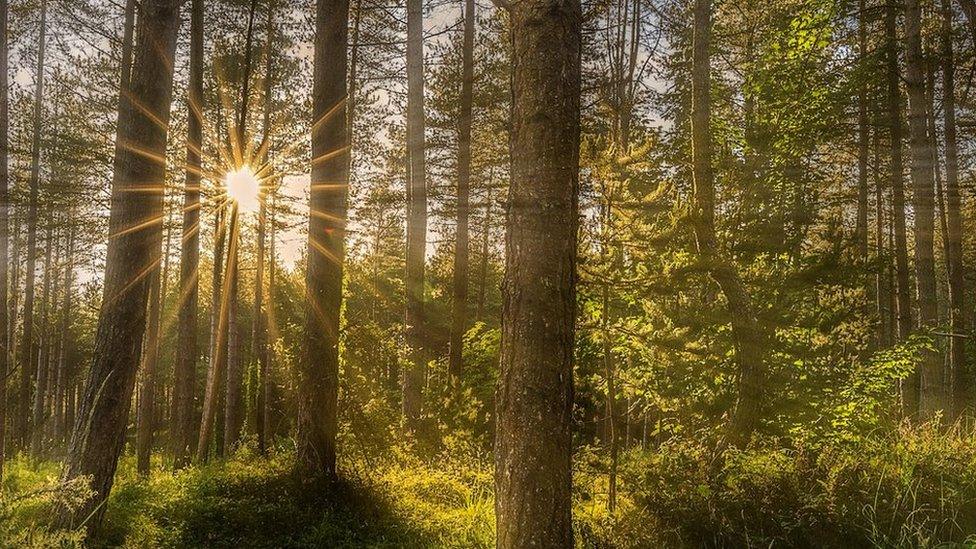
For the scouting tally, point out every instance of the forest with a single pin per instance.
(487, 273)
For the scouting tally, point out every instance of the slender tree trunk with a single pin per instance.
(414, 372)
(319, 366)
(27, 373)
(132, 248)
(185, 370)
(64, 376)
(218, 339)
(147, 388)
(931, 385)
(42, 378)
(882, 261)
(909, 388)
(485, 237)
(259, 334)
(534, 399)
(960, 380)
(233, 397)
(6, 353)
(746, 332)
(460, 304)
(863, 137)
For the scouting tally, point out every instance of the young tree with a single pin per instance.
(135, 229)
(534, 400)
(318, 374)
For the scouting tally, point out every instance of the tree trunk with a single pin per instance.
(42, 378)
(485, 237)
(931, 385)
(746, 332)
(185, 369)
(460, 304)
(414, 372)
(27, 373)
(960, 380)
(909, 388)
(132, 254)
(5, 319)
(64, 377)
(863, 137)
(534, 399)
(319, 366)
(233, 398)
(147, 388)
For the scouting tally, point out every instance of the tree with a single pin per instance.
(460, 306)
(319, 366)
(135, 227)
(534, 400)
(413, 375)
(5, 348)
(184, 373)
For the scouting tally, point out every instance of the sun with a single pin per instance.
(244, 189)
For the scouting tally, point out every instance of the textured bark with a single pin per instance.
(185, 369)
(960, 379)
(100, 427)
(909, 388)
(6, 353)
(414, 371)
(218, 339)
(319, 365)
(746, 331)
(534, 398)
(460, 298)
(233, 397)
(27, 373)
(931, 383)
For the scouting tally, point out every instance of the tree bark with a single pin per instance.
(185, 369)
(460, 305)
(147, 388)
(132, 254)
(218, 339)
(64, 375)
(233, 397)
(863, 137)
(534, 398)
(41, 377)
(319, 366)
(27, 356)
(931, 383)
(414, 371)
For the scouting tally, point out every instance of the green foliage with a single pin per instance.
(30, 495)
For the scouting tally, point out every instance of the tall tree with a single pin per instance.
(319, 365)
(6, 351)
(135, 228)
(413, 374)
(461, 254)
(909, 389)
(863, 136)
(185, 370)
(959, 378)
(41, 377)
(27, 355)
(930, 383)
(534, 400)
(746, 331)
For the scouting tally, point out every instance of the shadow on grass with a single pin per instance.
(256, 504)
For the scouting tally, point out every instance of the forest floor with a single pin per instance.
(910, 488)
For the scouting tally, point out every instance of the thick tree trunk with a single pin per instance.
(132, 254)
(931, 383)
(414, 371)
(460, 305)
(534, 399)
(185, 370)
(909, 388)
(319, 365)
(27, 356)
(960, 379)
(746, 332)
